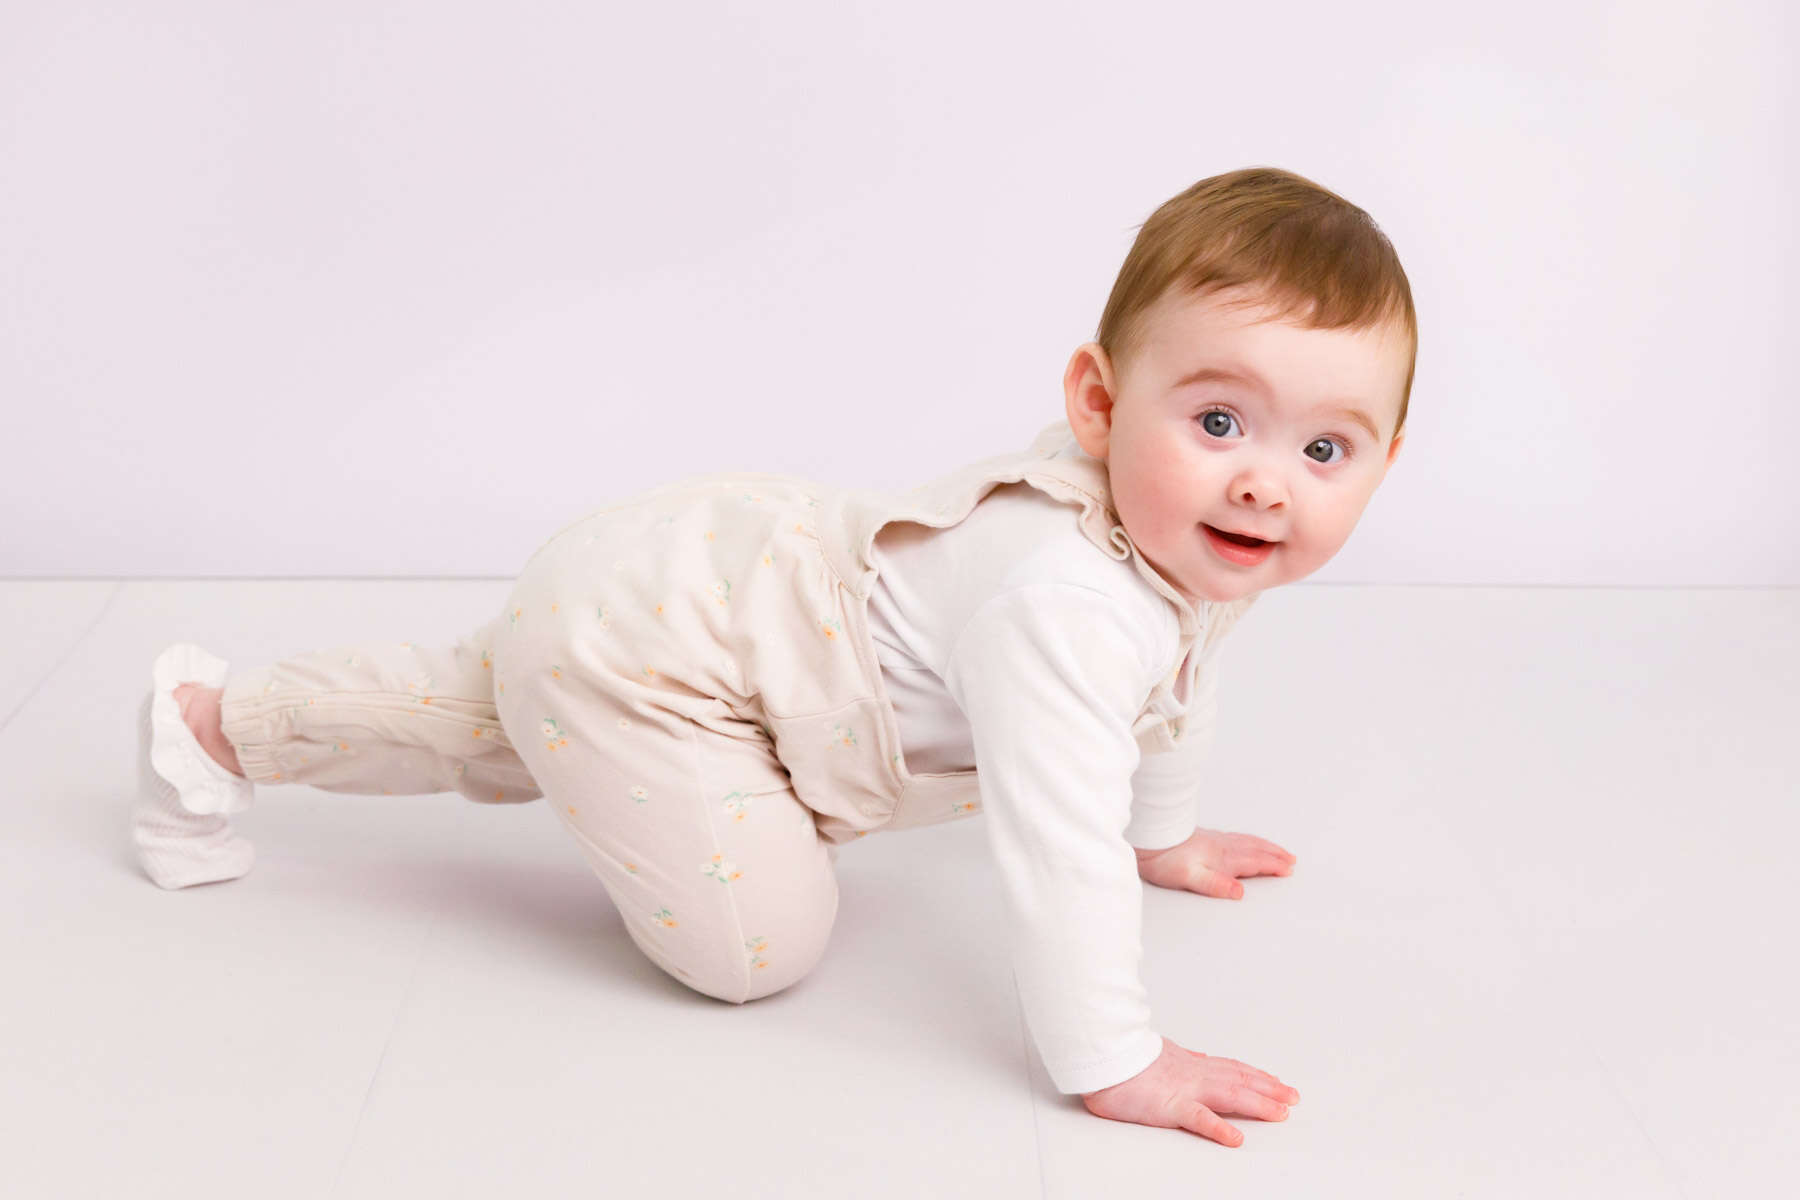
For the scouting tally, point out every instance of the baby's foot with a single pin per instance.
(185, 786)
(200, 709)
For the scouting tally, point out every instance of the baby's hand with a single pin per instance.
(1211, 862)
(1184, 1089)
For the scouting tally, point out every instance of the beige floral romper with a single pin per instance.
(688, 676)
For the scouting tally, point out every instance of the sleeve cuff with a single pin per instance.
(1145, 835)
(1145, 1047)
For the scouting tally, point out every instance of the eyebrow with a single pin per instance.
(1246, 376)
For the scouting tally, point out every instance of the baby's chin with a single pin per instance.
(1226, 589)
(1202, 586)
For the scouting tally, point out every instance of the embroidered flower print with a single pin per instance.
(721, 870)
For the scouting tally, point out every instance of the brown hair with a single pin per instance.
(1313, 257)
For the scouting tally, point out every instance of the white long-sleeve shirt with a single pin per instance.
(1011, 644)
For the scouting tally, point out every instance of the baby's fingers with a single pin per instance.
(1243, 859)
(1208, 882)
(1208, 1124)
(1262, 1081)
(1273, 1088)
(1261, 864)
(1247, 1102)
(1271, 847)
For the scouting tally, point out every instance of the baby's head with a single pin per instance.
(1257, 323)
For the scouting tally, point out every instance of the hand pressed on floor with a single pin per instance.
(1184, 1089)
(1211, 862)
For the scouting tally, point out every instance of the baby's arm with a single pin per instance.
(1165, 787)
(1172, 851)
(1051, 682)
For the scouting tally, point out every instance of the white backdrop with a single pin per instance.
(355, 289)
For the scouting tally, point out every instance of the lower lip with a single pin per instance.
(1230, 551)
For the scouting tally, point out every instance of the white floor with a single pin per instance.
(1540, 940)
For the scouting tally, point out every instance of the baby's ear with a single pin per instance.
(1087, 398)
(1394, 449)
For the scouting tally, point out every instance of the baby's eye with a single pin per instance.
(1328, 443)
(1207, 423)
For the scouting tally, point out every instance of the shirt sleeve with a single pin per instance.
(1165, 787)
(1051, 680)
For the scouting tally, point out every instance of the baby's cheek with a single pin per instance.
(1149, 501)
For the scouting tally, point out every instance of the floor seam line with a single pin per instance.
(57, 666)
(381, 1059)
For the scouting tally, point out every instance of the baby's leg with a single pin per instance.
(684, 813)
(394, 718)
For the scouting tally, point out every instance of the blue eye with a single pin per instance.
(1215, 412)
(1214, 429)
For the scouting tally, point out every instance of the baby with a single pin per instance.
(718, 682)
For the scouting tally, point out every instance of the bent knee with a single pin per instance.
(776, 957)
(770, 974)
(781, 957)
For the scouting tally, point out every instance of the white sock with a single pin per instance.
(178, 821)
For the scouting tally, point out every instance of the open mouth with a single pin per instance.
(1238, 538)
